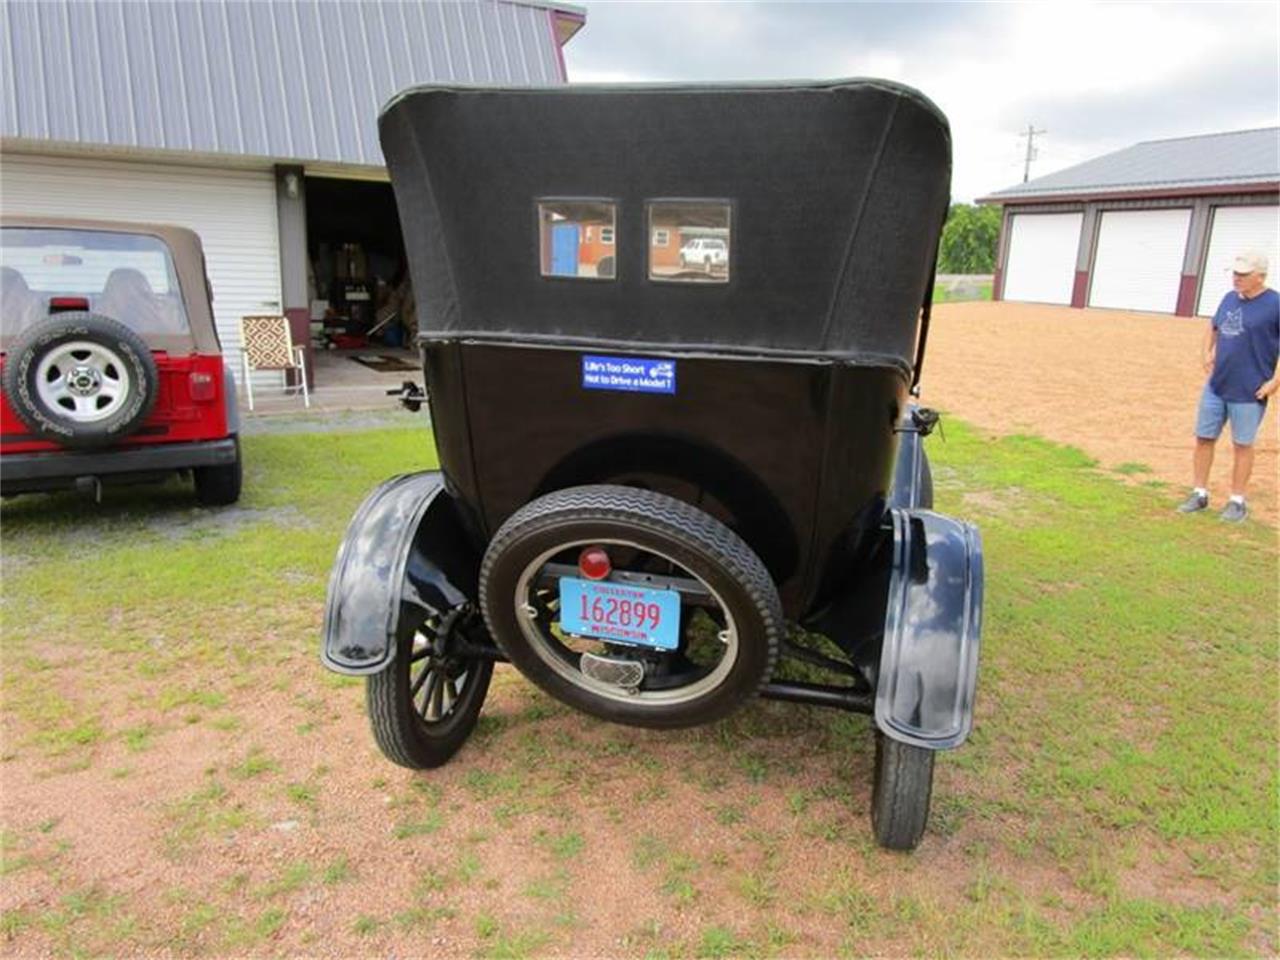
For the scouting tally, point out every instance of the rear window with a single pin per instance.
(127, 276)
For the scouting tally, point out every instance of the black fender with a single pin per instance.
(912, 486)
(932, 631)
(405, 545)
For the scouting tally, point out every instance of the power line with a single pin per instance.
(1032, 152)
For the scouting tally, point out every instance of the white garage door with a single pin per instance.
(234, 212)
(1138, 263)
(1042, 257)
(1233, 231)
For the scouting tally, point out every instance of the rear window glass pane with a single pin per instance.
(129, 277)
(689, 241)
(577, 239)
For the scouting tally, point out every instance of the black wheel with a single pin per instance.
(220, 485)
(425, 704)
(80, 379)
(719, 634)
(901, 794)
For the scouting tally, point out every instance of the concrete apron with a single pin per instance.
(341, 384)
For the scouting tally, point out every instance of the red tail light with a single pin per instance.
(594, 564)
(59, 304)
(203, 387)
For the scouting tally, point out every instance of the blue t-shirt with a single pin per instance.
(1248, 345)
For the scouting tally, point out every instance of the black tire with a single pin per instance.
(656, 523)
(64, 425)
(901, 793)
(401, 730)
(219, 486)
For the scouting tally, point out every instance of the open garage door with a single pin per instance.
(1233, 231)
(1138, 264)
(1041, 264)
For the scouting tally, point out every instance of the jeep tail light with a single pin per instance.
(62, 304)
(202, 386)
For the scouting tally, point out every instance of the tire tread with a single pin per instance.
(902, 793)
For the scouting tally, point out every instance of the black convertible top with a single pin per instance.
(838, 191)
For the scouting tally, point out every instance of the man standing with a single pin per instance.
(1240, 353)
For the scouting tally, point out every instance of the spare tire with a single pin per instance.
(80, 379)
(730, 619)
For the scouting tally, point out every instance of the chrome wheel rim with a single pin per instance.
(562, 659)
(82, 381)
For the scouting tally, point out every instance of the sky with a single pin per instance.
(1096, 77)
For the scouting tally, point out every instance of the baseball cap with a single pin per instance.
(1250, 262)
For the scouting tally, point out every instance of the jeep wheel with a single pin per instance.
(220, 485)
(80, 379)
(696, 659)
(901, 794)
(425, 704)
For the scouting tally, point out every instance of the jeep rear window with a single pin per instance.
(129, 277)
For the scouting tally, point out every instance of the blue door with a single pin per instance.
(564, 249)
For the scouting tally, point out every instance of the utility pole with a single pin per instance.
(1032, 153)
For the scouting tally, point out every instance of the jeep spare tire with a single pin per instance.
(80, 379)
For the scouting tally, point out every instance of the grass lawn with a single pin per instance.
(180, 774)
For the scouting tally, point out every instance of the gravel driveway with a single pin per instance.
(1120, 386)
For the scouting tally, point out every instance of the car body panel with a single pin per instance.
(178, 417)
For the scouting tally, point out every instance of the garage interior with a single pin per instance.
(362, 313)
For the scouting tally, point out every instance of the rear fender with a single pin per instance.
(404, 546)
(908, 490)
(933, 624)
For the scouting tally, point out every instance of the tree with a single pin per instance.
(969, 239)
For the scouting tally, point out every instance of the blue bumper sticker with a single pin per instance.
(629, 374)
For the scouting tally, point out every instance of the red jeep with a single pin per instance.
(110, 362)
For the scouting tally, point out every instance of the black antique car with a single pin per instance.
(670, 338)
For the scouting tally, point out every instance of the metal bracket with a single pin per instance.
(90, 486)
(923, 422)
(410, 395)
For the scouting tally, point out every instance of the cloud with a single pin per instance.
(1098, 77)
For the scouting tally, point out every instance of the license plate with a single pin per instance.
(620, 613)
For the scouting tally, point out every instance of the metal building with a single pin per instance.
(1152, 227)
(238, 118)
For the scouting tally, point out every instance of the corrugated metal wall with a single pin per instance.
(285, 79)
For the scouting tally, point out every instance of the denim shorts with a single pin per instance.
(1214, 413)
